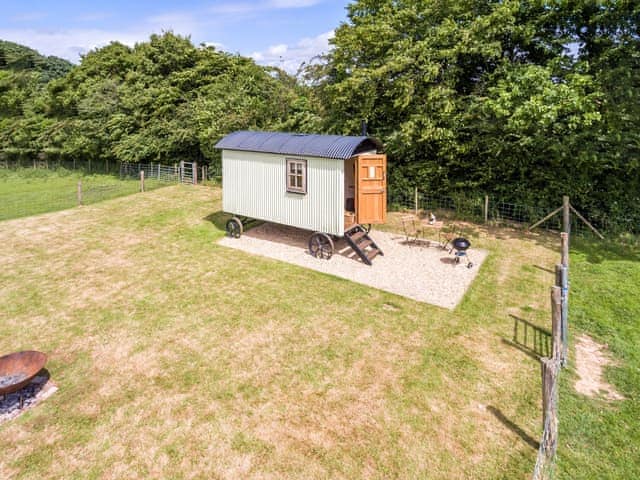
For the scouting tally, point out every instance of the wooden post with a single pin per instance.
(142, 180)
(564, 241)
(181, 171)
(556, 319)
(550, 405)
(540, 222)
(79, 192)
(586, 222)
(566, 214)
(194, 168)
(415, 200)
(486, 209)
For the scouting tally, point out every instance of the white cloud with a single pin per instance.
(72, 43)
(233, 8)
(241, 8)
(292, 3)
(29, 17)
(69, 44)
(178, 22)
(280, 49)
(216, 45)
(93, 17)
(290, 57)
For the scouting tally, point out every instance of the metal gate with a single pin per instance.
(188, 172)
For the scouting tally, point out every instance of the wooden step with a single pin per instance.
(358, 239)
(372, 253)
(365, 243)
(357, 236)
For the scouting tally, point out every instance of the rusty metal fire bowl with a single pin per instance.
(18, 369)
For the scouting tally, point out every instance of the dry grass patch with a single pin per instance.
(591, 359)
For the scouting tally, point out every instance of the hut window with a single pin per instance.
(296, 175)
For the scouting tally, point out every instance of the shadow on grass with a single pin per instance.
(219, 219)
(530, 339)
(496, 412)
(544, 269)
(597, 251)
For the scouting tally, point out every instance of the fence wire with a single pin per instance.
(464, 207)
(23, 203)
(176, 173)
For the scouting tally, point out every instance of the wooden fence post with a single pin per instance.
(566, 214)
(194, 168)
(486, 209)
(142, 180)
(79, 192)
(415, 200)
(564, 240)
(181, 171)
(550, 394)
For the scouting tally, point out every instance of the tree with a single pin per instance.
(526, 100)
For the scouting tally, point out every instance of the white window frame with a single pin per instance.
(296, 180)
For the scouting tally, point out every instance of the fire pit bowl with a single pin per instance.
(18, 369)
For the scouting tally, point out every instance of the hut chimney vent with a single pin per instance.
(363, 128)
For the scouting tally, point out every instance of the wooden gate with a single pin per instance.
(371, 185)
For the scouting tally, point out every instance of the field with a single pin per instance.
(27, 191)
(178, 358)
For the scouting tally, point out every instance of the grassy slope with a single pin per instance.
(599, 439)
(27, 192)
(178, 358)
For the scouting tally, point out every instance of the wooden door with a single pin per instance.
(371, 189)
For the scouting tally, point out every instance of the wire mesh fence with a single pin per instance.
(34, 198)
(86, 166)
(157, 171)
(488, 209)
(179, 172)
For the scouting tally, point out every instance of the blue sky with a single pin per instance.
(273, 32)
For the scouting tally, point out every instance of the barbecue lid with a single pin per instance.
(461, 243)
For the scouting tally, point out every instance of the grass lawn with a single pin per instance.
(601, 439)
(178, 358)
(27, 191)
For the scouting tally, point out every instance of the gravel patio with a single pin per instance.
(423, 272)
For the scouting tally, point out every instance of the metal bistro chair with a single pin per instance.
(413, 230)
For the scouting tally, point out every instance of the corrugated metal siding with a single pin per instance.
(254, 185)
(324, 146)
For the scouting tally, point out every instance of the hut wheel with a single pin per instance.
(321, 245)
(234, 227)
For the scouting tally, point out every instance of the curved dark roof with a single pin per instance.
(326, 146)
